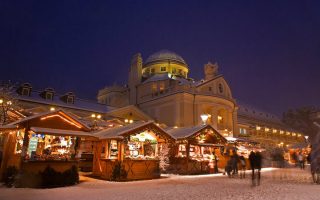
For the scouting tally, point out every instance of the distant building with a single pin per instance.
(162, 88)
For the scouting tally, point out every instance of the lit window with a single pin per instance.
(163, 69)
(274, 130)
(266, 129)
(243, 131)
(258, 128)
(220, 119)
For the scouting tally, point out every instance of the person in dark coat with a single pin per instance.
(258, 165)
(252, 160)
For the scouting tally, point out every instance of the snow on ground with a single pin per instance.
(275, 184)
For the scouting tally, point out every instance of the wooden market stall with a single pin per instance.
(130, 152)
(44, 140)
(197, 148)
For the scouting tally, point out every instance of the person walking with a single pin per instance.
(301, 160)
(235, 159)
(258, 165)
(215, 160)
(252, 160)
(243, 166)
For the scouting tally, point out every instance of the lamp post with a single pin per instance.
(95, 117)
(204, 118)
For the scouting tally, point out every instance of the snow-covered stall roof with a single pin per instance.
(120, 131)
(186, 132)
(47, 113)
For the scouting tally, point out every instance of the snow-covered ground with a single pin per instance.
(275, 184)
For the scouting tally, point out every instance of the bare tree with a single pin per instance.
(7, 101)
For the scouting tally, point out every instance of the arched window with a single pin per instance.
(220, 88)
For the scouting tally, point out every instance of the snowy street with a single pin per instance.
(275, 184)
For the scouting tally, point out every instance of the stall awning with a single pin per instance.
(52, 131)
(8, 128)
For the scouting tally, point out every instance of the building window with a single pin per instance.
(180, 72)
(220, 119)
(220, 88)
(210, 89)
(70, 99)
(163, 69)
(174, 70)
(49, 95)
(243, 131)
(152, 70)
(25, 92)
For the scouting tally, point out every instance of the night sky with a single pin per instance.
(268, 51)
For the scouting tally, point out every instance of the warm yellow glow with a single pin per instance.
(274, 130)
(157, 124)
(9, 102)
(130, 121)
(52, 109)
(93, 115)
(175, 127)
(258, 128)
(99, 116)
(288, 133)
(126, 120)
(281, 143)
(204, 118)
(1, 100)
(266, 129)
(66, 120)
(299, 135)
(294, 134)
(281, 132)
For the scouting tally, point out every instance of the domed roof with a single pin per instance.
(165, 55)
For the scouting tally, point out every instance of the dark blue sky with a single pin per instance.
(269, 51)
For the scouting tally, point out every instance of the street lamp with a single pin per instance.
(204, 118)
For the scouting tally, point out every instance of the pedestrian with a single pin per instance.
(258, 165)
(243, 166)
(301, 160)
(215, 160)
(235, 159)
(252, 161)
(228, 168)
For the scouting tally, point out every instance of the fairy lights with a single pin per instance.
(63, 118)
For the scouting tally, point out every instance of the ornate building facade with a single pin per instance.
(161, 88)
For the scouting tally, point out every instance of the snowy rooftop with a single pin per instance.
(117, 132)
(80, 104)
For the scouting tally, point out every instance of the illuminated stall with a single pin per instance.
(132, 150)
(198, 147)
(44, 140)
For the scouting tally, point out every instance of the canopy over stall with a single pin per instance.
(198, 146)
(136, 145)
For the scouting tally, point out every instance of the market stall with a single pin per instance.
(130, 152)
(47, 140)
(199, 149)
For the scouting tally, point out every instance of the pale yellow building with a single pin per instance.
(161, 88)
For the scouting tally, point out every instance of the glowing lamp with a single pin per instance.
(204, 118)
